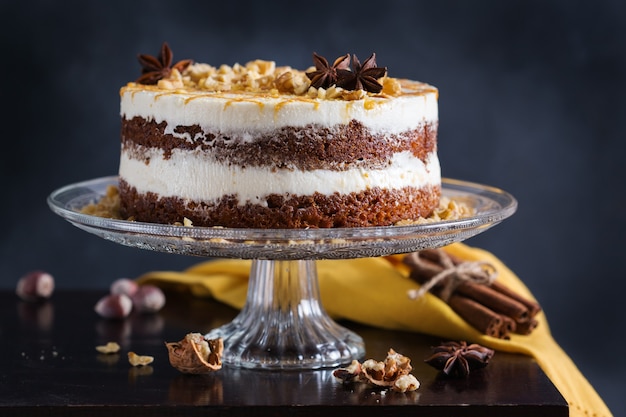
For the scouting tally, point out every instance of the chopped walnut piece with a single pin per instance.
(172, 82)
(292, 82)
(406, 383)
(334, 92)
(349, 374)
(391, 86)
(451, 209)
(108, 206)
(448, 209)
(195, 354)
(385, 373)
(139, 360)
(261, 67)
(110, 347)
(198, 72)
(353, 94)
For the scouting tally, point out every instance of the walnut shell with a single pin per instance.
(195, 354)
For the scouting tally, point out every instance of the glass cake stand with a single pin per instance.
(283, 324)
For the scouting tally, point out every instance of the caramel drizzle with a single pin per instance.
(409, 88)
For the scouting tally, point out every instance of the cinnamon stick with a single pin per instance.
(508, 326)
(425, 270)
(527, 328)
(477, 315)
(494, 310)
(533, 307)
(495, 300)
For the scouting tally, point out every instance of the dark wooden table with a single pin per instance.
(49, 367)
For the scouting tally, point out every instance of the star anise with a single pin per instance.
(154, 69)
(457, 359)
(363, 77)
(325, 75)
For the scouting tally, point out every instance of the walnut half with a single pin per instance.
(195, 354)
(393, 372)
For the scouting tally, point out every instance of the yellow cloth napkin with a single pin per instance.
(378, 291)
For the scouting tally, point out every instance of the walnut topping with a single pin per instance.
(324, 81)
(195, 354)
(393, 372)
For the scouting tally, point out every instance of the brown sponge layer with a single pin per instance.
(373, 207)
(306, 148)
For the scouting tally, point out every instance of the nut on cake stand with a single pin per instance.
(283, 324)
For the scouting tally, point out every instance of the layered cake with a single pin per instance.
(263, 146)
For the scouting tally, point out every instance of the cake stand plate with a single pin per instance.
(283, 324)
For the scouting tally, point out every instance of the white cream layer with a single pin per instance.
(246, 114)
(188, 175)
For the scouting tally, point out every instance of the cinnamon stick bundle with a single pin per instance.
(493, 309)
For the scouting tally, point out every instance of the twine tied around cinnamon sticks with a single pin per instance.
(471, 290)
(451, 276)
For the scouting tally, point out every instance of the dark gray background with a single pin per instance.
(532, 100)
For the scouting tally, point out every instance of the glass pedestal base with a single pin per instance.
(283, 324)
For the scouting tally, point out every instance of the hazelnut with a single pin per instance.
(35, 285)
(148, 299)
(114, 306)
(124, 286)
